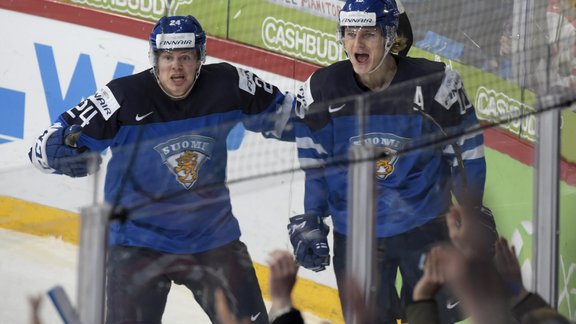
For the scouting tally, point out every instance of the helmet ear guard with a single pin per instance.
(152, 57)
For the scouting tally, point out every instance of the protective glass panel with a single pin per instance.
(190, 189)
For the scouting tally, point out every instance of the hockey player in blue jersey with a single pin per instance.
(166, 128)
(410, 104)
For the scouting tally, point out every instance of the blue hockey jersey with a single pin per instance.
(169, 157)
(420, 122)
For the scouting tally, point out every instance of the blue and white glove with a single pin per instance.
(309, 238)
(55, 151)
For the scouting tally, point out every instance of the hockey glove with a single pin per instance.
(487, 226)
(309, 238)
(473, 230)
(61, 153)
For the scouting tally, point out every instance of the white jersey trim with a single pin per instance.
(308, 143)
(311, 163)
(474, 154)
(38, 154)
(450, 150)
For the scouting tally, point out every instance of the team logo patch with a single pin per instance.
(185, 155)
(391, 145)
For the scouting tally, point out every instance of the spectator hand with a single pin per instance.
(283, 272)
(472, 231)
(509, 269)
(433, 278)
(309, 238)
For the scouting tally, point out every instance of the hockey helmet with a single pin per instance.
(370, 13)
(177, 32)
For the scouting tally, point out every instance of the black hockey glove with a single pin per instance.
(309, 238)
(486, 225)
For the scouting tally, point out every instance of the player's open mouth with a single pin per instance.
(362, 58)
(178, 79)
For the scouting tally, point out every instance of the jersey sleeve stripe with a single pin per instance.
(466, 143)
(476, 153)
(306, 163)
(308, 143)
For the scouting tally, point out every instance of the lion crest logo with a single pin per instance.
(391, 145)
(185, 155)
(384, 166)
(186, 171)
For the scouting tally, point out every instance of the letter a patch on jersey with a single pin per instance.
(418, 99)
(185, 155)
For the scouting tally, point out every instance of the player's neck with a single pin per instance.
(381, 78)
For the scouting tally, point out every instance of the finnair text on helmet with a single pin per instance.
(354, 18)
(355, 21)
(174, 41)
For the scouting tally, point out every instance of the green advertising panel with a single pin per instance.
(213, 14)
(306, 30)
(286, 30)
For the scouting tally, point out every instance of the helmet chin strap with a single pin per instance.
(387, 48)
(379, 64)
